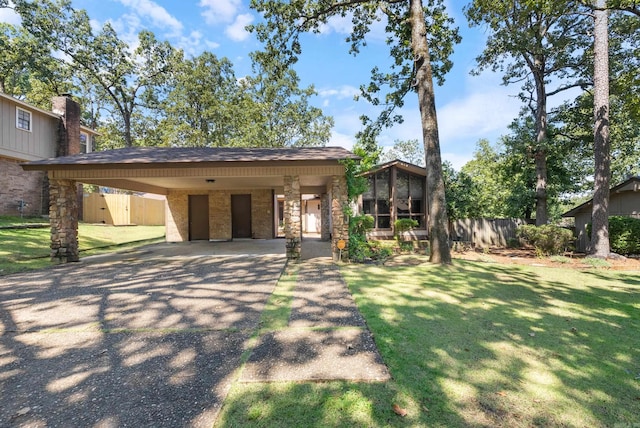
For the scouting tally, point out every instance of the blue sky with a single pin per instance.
(469, 107)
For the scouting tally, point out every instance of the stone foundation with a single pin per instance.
(63, 217)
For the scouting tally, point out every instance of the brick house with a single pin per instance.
(211, 193)
(624, 200)
(28, 133)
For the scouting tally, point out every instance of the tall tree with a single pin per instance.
(420, 39)
(534, 42)
(601, 144)
(130, 79)
(406, 150)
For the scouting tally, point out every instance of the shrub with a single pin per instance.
(624, 235)
(546, 239)
(404, 225)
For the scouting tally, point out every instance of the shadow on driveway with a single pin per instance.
(146, 338)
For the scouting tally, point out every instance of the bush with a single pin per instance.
(404, 225)
(624, 235)
(546, 239)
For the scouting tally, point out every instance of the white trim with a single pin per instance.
(18, 110)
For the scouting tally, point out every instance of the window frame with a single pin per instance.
(18, 121)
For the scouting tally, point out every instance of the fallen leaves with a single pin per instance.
(399, 410)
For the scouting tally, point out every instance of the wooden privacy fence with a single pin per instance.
(484, 231)
(122, 209)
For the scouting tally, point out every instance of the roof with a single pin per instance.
(630, 185)
(51, 114)
(400, 164)
(186, 156)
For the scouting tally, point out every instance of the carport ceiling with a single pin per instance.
(159, 170)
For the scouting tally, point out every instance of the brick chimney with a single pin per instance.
(69, 128)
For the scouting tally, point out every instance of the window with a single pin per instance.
(408, 198)
(23, 119)
(84, 139)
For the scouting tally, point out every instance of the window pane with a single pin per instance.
(417, 187)
(402, 206)
(382, 185)
(384, 222)
(368, 206)
(383, 207)
(24, 120)
(420, 220)
(416, 206)
(402, 185)
(368, 194)
(83, 142)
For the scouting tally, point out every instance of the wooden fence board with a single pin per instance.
(122, 209)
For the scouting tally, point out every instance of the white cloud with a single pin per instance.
(156, 13)
(341, 92)
(341, 140)
(217, 11)
(337, 24)
(236, 31)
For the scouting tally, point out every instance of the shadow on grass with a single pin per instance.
(493, 345)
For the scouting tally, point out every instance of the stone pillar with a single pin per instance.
(292, 216)
(63, 217)
(325, 217)
(69, 129)
(339, 221)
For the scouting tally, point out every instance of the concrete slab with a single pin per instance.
(148, 338)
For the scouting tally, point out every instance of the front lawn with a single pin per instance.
(477, 344)
(24, 249)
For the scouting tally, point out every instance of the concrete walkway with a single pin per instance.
(326, 338)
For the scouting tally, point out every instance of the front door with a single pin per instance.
(241, 216)
(198, 217)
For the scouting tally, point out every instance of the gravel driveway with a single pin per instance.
(149, 338)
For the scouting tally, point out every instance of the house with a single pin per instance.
(624, 200)
(395, 190)
(28, 133)
(212, 193)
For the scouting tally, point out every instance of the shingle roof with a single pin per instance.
(574, 211)
(187, 155)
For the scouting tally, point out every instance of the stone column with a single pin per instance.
(340, 222)
(292, 216)
(63, 217)
(325, 217)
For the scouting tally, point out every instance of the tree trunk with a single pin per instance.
(437, 208)
(128, 140)
(601, 147)
(540, 153)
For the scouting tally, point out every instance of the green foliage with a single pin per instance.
(624, 235)
(411, 151)
(360, 249)
(404, 225)
(547, 239)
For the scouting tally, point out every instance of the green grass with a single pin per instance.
(25, 249)
(479, 345)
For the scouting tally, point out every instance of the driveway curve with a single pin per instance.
(146, 338)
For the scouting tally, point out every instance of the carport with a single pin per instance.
(212, 193)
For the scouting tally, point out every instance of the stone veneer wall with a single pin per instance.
(63, 217)
(325, 217)
(177, 215)
(292, 216)
(17, 184)
(340, 223)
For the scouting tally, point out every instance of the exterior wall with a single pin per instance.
(620, 204)
(39, 143)
(262, 213)
(177, 214)
(18, 185)
(312, 213)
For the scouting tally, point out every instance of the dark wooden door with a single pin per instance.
(198, 217)
(241, 216)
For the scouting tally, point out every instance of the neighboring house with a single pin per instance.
(212, 193)
(624, 200)
(395, 190)
(28, 133)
